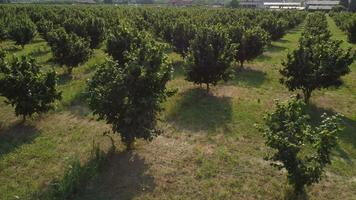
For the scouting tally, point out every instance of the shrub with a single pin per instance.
(128, 96)
(3, 30)
(27, 88)
(121, 42)
(351, 29)
(95, 30)
(234, 4)
(209, 56)
(316, 66)
(301, 149)
(275, 27)
(250, 42)
(44, 27)
(76, 26)
(68, 49)
(183, 33)
(22, 31)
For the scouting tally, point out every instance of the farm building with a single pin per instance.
(283, 5)
(321, 5)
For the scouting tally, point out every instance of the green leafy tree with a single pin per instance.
(183, 33)
(316, 66)
(129, 96)
(22, 31)
(121, 42)
(68, 49)
(210, 56)
(44, 27)
(301, 149)
(338, 8)
(25, 87)
(76, 26)
(3, 30)
(95, 30)
(351, 29)
(275, 27)
(234, 4)
(250, 42)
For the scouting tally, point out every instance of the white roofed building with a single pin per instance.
(321, 5)
(284, 5)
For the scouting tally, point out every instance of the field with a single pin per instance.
(209, 149)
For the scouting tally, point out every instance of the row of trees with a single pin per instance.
(81, 26)
(134, 82)
(28, 89)
(318, 62)
(127, 90)
(298, 146)
(347, 22)
(214, 49)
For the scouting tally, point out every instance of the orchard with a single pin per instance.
(162, 102)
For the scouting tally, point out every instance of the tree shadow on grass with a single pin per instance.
(124, 177)
(198, 111)
(39, 52)
(348, 135)
(13, 137)
(273, 49)
(290, 195)
(249, 77)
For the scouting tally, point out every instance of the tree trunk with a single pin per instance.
(307, 94)
(70, 69)
(241, 64)
(129, 143)
(207, 88)
(298, 189)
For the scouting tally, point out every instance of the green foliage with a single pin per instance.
(77, 175)
(183, 32)
(68, 49)
(22, 31)
(3, 30)
(128, 95)
(44, 27)
(275, 27)
(210, 56)
(351, 29)
(317, 63)
(95, 30)
(121, 42)
(347, 22)
(234, 4)
(75, 25)
(338, 8)
(91, 28)
(27, 88)
(250, 42)
(303, 150)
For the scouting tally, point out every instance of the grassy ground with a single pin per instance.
(210, 148)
